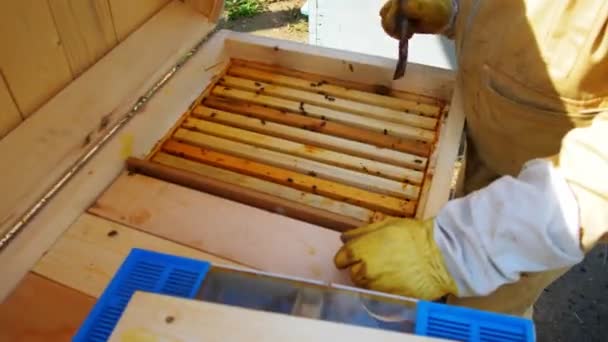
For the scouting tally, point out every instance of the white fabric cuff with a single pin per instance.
(514, 225)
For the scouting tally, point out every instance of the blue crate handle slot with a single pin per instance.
(464, 324)
(141, 271)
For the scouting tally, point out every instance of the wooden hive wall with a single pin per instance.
(47, 44)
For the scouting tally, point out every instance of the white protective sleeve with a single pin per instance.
(514, 225)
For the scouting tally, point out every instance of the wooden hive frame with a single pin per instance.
(328, 152)
(81, 234)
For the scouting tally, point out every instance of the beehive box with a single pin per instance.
(250, 126)
(334, 153)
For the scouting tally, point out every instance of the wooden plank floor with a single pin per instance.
(250, 236)
(339, 148)
(86, 257)
(161, 217)
(59, 292)
(42, 310)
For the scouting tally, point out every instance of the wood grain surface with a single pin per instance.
(42, 310)
(231, 230)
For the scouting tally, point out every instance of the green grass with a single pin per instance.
(243, 8)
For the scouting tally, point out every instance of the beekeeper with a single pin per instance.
(534, 79)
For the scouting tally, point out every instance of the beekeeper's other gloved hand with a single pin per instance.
(397, 256)
(425, 16)
(475, 244)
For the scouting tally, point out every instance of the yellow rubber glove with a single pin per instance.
(425, 16)
(397, 256)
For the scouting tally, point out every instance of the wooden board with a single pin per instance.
(152, 317)
(90, 252)
(360, 83)
(266, 195)
(248, 235)
(42, 310)
(129, 15)
(304, 182)
(319, 154)
(335, 103)
(305, 82)
(316, 132)
(375, 72)
(374, 124)
(48, 144)
(45, 46)
(440, 172)
(9, 113)
(52, 140)
(32, 57)
(302, 165)
(86, 30)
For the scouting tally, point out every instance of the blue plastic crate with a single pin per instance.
(463, 324)
(141, 271)
(182, 277)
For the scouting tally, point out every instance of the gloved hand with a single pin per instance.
(425, 16)
(397, 256)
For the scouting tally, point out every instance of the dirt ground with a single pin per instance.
(282, 19)
(574, 307)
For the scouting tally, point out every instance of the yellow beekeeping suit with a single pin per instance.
(535, 80)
